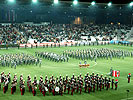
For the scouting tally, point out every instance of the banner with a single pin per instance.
(115, 73)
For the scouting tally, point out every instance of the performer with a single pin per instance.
(68, 86)
(112, 83)
(80, 85)
(129, 76)
(89, 86)
(86, 84)
(111, 70)
(40, 83)
(64, 83)
(94, 86)
(22, 88)
(34, 88)
(107, 84)
(43, 89)
(100, 85)
(29, 83)
(53, 88)
(72, 87)
(103, 83)
(13, 86)
(61, 89)
(116, 82)
(5, 86)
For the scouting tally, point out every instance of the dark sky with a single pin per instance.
(105, 1)
(97, 1)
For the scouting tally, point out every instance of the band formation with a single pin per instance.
(94, 54)
(58, 85)
(14, 60)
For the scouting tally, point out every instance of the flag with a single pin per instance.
(115, 73)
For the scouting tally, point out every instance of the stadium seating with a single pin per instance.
(21, 33)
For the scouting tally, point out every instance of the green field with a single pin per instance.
(48, 68)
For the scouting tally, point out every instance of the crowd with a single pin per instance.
(14, 60)
(52, 56)
(94, 54)
(59, 85)
(21, 33)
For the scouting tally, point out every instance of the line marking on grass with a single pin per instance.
(94, 65)
(128, 98)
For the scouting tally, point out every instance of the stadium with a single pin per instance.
(56, 49)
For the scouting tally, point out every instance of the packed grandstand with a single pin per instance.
(22, 33)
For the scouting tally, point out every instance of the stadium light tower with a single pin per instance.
(56, 1)
(93, 3)
(131, 4)
(11, 0)
(34, 1)
(109, 4)
(75, 2)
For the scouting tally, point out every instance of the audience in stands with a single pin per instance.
(21, 33)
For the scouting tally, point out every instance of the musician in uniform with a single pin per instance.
(34, 89)
(112, 83)
(128, 77)
(116, 84)
(29, 83)
(22, 88)
(5, 86)
(61, 89)
(68, 86)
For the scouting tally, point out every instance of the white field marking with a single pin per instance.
(94, 64)
(128, 98)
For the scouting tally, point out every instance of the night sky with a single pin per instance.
(97, 1)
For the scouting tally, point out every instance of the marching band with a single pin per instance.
(59, 85)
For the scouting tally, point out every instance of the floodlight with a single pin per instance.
(34, 1)
(109, 4)
(75, 2)
(93, 3)
(131, 4)
(56, 1)
(11, 0)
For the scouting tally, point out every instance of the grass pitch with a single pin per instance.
(102, 66)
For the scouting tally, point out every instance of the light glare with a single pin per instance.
(11, 0)
(56, 1)
(75, 2)
(34, 1)
(93, 3)
(109, 4)
(131, 4)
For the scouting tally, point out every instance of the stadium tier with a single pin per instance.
(22, 33)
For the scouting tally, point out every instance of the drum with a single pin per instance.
(57, 89)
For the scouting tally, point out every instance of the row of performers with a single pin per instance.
(61, 85)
